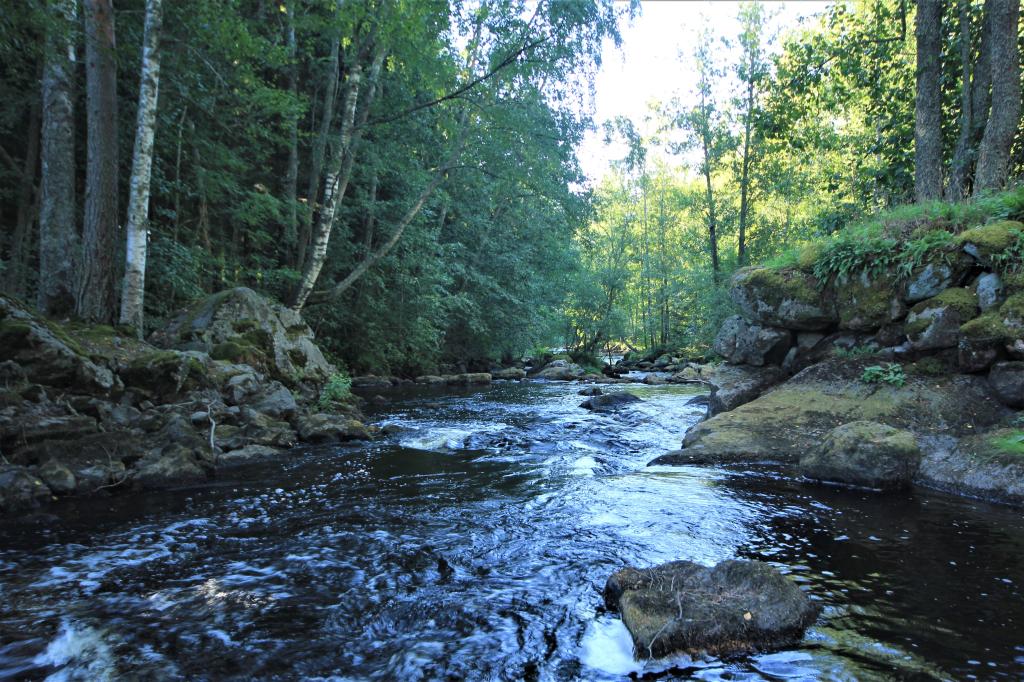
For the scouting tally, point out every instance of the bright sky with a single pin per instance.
(654, 63)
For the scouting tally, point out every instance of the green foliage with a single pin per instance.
(933, 245)
(1010, 443)
(337, 391)
(855, 251)
(890, 373)
(855, 351)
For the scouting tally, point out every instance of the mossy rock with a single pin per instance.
(239, 352)
(988, 465)
(830, 394)
(167, 374)
(866, 304)
(788, 297)
(986, 241)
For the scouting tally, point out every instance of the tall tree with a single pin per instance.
(133, 287)
(975, 99)
(751, 71)
(928, 103)
(58, 236)
(95, 295)
(1004, 118)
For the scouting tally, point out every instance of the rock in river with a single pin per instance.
(609, 402)
(864, 453)
(732, 608)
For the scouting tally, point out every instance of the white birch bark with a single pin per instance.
(133, 286)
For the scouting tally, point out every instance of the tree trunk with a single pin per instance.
(741, 246)
(291, 180)
(95, 296)
(58, 236)
(712, 220)
(134, 285)
(21, 240)
(994, 153)
(955, 190)
(316, 166)
(928, 104)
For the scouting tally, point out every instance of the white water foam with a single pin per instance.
(81, 653)
(448, 438)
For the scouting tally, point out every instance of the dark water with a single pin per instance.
(474, 545)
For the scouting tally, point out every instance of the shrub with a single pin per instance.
(890, 373)
(338, 389)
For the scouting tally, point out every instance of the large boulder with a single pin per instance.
(989, 288)
(935, 324)
(561, 370)
(866, 304)
(786, 298)
(165, 375)
(47, 355)
(987, 465)
(20, 489)
(736, 607)
(732, 386)
(330, 428)
(866, 454)
(1007, 380)
(742, 342)
(796, 416)
(172, 466)
(239, 325)
(470, 379)
(609, 402)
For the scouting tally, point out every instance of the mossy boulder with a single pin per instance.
(21, 490)
(796, 416)
(864, 453)
(986, 241)
(168, 374)
(866, 304)
(996, 334)
(46, 353)
(736, 607)
(935, 323)
(330, 428)
(930, 280)
(788, 298)
(239, 325)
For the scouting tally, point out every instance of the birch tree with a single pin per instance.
(133, 288)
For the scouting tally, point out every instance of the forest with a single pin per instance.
(404, 172)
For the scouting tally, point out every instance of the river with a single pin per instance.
(473, 545)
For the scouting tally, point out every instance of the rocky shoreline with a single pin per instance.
(820, 376)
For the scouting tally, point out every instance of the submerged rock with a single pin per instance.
(864, 453)
(590, 391)
(735, 607)
(609, 402)
(20, 490)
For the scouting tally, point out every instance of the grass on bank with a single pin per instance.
(907, 237)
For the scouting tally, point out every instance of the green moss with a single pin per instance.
(243, 326)
(1008, 442)
(992, 238)
(1013, 282)
(961, 299)
(865, 306)
(928, 367)
(987, 327)
(238, 351)
(917, 326)
(1013, 307)
(776, 285)
(14, 334)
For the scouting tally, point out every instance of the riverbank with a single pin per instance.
(88, 409)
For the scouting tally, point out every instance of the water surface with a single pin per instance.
(474, 545)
